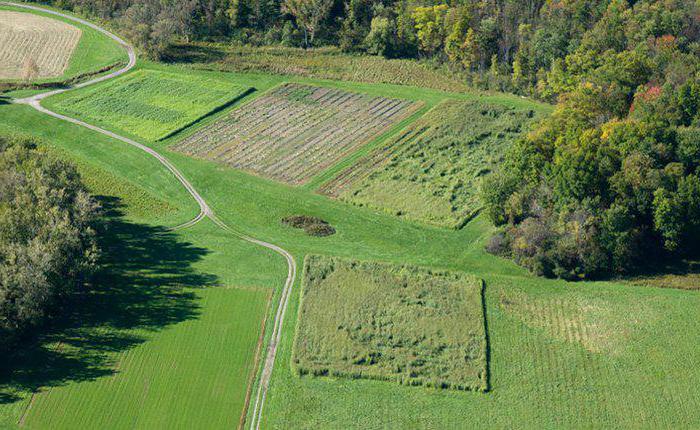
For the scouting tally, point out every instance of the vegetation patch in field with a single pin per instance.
(313, 226)
(33, 46)
(432, 170)
(320, 63)
(295, 131)
(397, 323)
(152, 104)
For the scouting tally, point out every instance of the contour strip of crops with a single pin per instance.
(294, 131)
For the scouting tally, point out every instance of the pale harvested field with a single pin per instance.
(49, 42)
(296, 131)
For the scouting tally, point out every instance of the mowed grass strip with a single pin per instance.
(151, 104)
(397, 323)
(432, 170)
(47, 43)
(296, 131)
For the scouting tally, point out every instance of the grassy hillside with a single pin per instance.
(561, 354)
(174, 321)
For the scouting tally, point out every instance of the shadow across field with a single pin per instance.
(683, 274)
(138, 289)
(194, 54)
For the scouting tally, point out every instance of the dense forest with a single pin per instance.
(47, 240)
(609, 181)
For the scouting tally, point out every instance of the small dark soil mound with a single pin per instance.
(312, 225)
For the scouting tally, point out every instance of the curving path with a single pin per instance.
(204, 209)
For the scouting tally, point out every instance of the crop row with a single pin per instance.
(49, 43)
(431, 171)
(153, 104)
(296, 131)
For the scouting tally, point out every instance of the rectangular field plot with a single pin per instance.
(396, 323)
(27, 39)
(152, 104)
(431, 171)
(295, 131)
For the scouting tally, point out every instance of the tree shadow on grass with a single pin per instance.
(144, 285)
(681, 274)
(185, 53)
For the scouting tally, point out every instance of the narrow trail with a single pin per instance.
(204, 210)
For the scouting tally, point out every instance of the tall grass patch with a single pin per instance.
(152, 104)
(432, 170)
(390, 322)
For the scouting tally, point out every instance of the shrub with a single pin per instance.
(313, 226)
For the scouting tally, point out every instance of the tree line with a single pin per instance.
(610, 183)
(47, 239)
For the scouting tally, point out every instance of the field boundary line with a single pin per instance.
(205, 210)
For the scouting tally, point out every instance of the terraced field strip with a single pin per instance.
(296, 131)
(46, 42)
(432, 170)
(152, 104)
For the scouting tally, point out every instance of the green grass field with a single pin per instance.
(389, 322)
(561, 355)
(94, 52)
(172, 325)
(151, 104)
(432, 170)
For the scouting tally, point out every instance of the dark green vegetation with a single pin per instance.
(432, 170)
(151, 104)
(47, 240)
(610, 182)
(313, 226)
(95, 53)
(394, 323)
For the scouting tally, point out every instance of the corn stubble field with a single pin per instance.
(295, 131)
(396, 323)
(152, 104)
(46, 42)
(431, 171)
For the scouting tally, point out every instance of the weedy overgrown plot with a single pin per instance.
(396, 323)
(33, 46)
(295, 131)
(431, 171)
(152, 104)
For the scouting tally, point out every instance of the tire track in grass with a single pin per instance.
(205, 210)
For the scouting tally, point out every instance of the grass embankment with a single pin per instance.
(94, 52)
(391, 322)
(561, 354)
(151, 104)
(168, 336)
